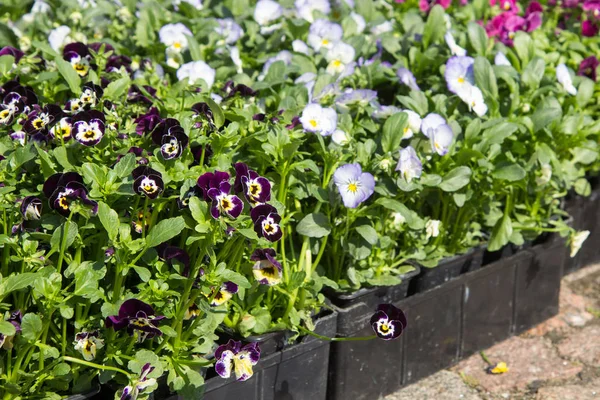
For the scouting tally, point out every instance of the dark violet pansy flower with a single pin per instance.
(115, 62)
(266, 222)
(140, 154)
(63, 188)
(266, 270)
(171, 138)
(588, 67)
(131, 392)
(233, 357)
(223, 202)
(79, 56)
(170, 254)
(39, 120)
(257, 189)
(16, 100)
(147, 122)
(88, 127)
(197, 153)
(135, 315)
(6, 342)
(11, 51)
(211, 180)
(225, 293)
(135, 95)
(231, 89)
(388, 322)
(87, 343)
(91, 94)
(31, 208)
(589, 29)
(100, 47)
(147, 182)
(294, 123)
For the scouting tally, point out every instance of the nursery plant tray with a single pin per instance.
(446, 323)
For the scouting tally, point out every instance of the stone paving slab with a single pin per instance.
(443, 385)
(583, 346)
(570, 392)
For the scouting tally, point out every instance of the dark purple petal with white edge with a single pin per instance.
(253, 351)
(31, 208)
(224, 363)
(127, 393)
(388, 322)
(230, 287)
(257, 190)
(150, 185)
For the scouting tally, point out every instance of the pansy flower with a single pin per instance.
(459, 74)
(388, 322)
(501, 59)
(409, 165)
(171, 138)
(90, 95)
(413, 125)
(135, 315)
(63, 129)
(116, 62)
(193, 311)
(147, 182)
(88, 127)
(505, 5)
(147, 122)
(407, 78)
(224, 294)
(324, 34)
(11, 51)
(588, 67)
(440, 134)
(256, 188)
(63, 188)
(79, 56)
(16, 99)
(195, 71)
(73, 106)
(317, 119)
(564, 78)
(31, 208)
(229, 30)
(174, 36)
(136, 95)
(141, 155)
(131, 392)
(266, 270)
(87, 343)
(233, 357)
(203, 109)
(171, 254)
(142, 218)
(231, 89)
(340, 58)
(211, 180)
(39, 120)
(353, 185)
(6, 341)
(266, 222)
(223, 202)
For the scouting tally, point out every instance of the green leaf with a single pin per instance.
(412, 218)
(7, 329)
(60, 153)
(456, 179)
(585, 92)
(165, 230)
(296, 280)
(368, 233)
(109, 219)
(94, 173)
(198, 209)
(547, 111)
(116, 89)
(194, 48)
(473, 129)
(314, 225)
(235, 277)
(478, 38)
(61, 369)
(68, 72)
(6, 63)
(393, 130)
(71, 230)
(125, 165)
(533, 73)
(485, 79)
(168, 331)
(66, 311)
(8, 37)
(217, 112)
(582, 187)
(500, 234)
(435, 27)
(143, 272)
(31, 326)
(524, 47)
(511, 173)
(262, 318)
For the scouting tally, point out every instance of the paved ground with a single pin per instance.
(557, 360)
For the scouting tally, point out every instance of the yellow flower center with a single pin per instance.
(225, 204)
(177, 45)
(254, 189)
(337, 63)
(313, 123)
(64, 203)
(268, 228)
(461, 79)
(353, 187)
(324, 42)
(384, 328)
(506, 5)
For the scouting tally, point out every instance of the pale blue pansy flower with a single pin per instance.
(324, 34)
(413, 124)
(407, 78)
(459, 74)
(340, 56)
(317, 119)
(354, 185)
(409, 164)
(500, 59)
(455, 49)
(195, 71)
(306, 8)
(440, 134)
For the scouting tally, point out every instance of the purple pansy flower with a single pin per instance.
(63, 188)
(147, 182)
(131, 392)
(588, 67)
(407, 78)
(31, 208)
(169, 254)
(388, 322)
(231, 89)
(6, 342)
(63, 129)
(115, 62)
(171, 138)
(589, 29)
(91, 95)
(147, 122)
(225, 293)
(135, 315)
(88, 127)
(354, 185)
(11, 51)
(79, 56)
(39, 120)
(266, 222)
(232, 356)
(211, 180)
(223, 202)
(136, 95)
(256, 188)
(266, 270)
(459, 74)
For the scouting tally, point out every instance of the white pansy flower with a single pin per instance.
(217, 99)
(174, 57)
(432, 228)
(267, 11)
(305, 8)
(409, 165)
(473, 96)
(564, 78)
(195, 71)
(546, 175)
(359, 21)
(40, 7)
(197, 4)
(382, 28)
(283, 55)
(500, 59)
(339, 137)
(323, 33)
(455, 49)
(339, 56)
(59, 37)
(319, 119)
(174, 36)
(229, 30)
(300, 47)
(577, 240)
(413, 124)
(235, 57)
(398, 220)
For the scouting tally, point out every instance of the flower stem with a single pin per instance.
(63, 243)
(94, 365)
